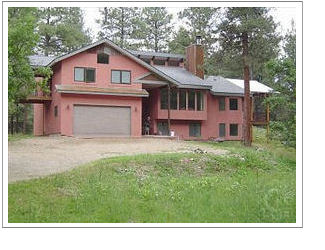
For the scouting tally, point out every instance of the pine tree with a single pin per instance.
(263, 42)
(119, 25)
(61, 30)
(155, 28)
(180, 40)
(202, 21)
(245, 32)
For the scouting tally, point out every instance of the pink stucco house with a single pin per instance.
(104, 90)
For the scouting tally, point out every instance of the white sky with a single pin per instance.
(282, 15)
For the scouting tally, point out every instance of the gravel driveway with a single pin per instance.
(40, 156)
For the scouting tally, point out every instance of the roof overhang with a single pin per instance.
(36, 99)
(87, 90)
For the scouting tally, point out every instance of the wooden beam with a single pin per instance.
(168, 106)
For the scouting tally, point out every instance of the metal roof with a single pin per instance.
(255, 86)
(184, 77)
(40, 61)
(221, 85)
(150, 54)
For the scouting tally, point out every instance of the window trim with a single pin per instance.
(230, 104)
(85, 70)
(121, 70)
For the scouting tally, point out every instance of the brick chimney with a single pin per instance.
(195, 58)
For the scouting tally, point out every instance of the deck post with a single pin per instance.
(168, 106)
(267, 121)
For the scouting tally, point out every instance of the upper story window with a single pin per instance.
(173, 99)
(102, 58)
(158, 62)
(233, 104)
(191, 100)
(84, 74)
(222, 103)
(121, 76)
(182, 99)
(163, 99)
(199, 100)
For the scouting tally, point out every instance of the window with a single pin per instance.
(199, 100)
(222, 130)
(222, 104)
(173, 99)
(182, 99)
(79, 74)
(121, 76)
(195, 129)
(162, 128)
(158, 62)
(56, 111)
(163, 98)
(90, 75)
(116, 76)
(102, 58)
(84, 74)
(233, 129)
(126, 77)
(173, 63)
(191, 99)
(233, 104)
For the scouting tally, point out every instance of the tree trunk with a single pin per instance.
(12, 124)
(25, 119)
(247, 104)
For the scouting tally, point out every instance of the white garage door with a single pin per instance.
(101, 121)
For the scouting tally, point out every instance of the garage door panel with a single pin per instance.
(102, 120)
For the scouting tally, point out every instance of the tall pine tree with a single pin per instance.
(61, 30)
(245, 32)
(119, 25)
(155, 28)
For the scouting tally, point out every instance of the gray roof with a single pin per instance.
(221, 85)
(150, 54)
(40, 61)
(184, 77)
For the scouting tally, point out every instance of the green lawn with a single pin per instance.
(247, 185)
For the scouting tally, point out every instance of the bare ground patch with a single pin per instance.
(41, 156)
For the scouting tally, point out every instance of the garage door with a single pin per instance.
(101, 121)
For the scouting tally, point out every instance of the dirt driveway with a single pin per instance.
(40, 156)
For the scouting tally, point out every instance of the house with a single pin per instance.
(104, 90)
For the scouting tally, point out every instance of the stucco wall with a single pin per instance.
(103, 71)
(209, 122)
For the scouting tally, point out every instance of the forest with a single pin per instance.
(54, 31)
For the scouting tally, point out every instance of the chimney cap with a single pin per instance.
(198, 39)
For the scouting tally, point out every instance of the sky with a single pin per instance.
(282, 15)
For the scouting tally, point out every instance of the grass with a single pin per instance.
(247, 185)
(19, 136)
